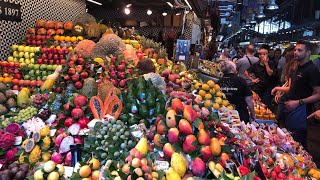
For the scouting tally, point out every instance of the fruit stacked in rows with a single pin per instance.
(110, 140)
(8, 99)
(66, 42)
(142, 101)
(38, 71)
(23, 54)
(119, 71)
(44, 30)
(53, 56)
(211, 96)
(90, 170)
(78, 70)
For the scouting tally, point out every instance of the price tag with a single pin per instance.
(53, 132)
(162, 165)
(18, 141)
(68, 171)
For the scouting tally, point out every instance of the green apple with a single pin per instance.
(49, 67)
(26, 77)
(10, 59)
(26, 55)
(21, 54)
(38, 72)
(30, 66)
(36, 67)
(39, 78)
(37, 49)
(44, 78)
(14, 47)
(31, 73)
(26, 49)
(32, 60)
(50, 72)
(16, 54)
(44, 73)
(21, 48)
(43, 66)
(21, 60)
(54, 67)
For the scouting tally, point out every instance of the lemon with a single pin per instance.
(197, 85)
(205, 87)
(216, 87)
(211, 83)
(207, 103)
(79, 38)
(225, 102)
(202, 93)
(208, 96)
(215, 106)
(218, 100)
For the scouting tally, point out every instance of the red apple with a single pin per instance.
(39, 61)
(81, 61)
(113, 74)
(38, 37)
(51, 61)
(32, 31)
(50, 25)
(45, 61)
(55, 57)
(121, 75)
(18, 76)
(71, 64)
(57, 61)
(112, 68)
(84, 75)
(74, 57)
(114, 82)
(71, 71)
(67, 78)
(75, 77)
(79, 68)
(50, 56)
(60, 31)
(40, 23)
(38, 43)
(62, 61)
(121, 67)
(68, 25)
(78, 85)
(122, 83)
(58, 25)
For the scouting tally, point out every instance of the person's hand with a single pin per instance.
(316, 115)
(291, 105)
(256, 80)
(276, 99)
(274, 90)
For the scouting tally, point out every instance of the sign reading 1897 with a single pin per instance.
(10, 10)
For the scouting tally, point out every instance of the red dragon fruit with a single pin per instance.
(57, 158)
(3, 163)
(13, 128)
(10, 155)
(7, 140)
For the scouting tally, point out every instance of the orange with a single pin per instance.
(207, 103)
(208, 96)
(230, 107)
(95, 163)
(73, 39)
(79, 38)
(218, 100)
(216, 87)
(215, 106)
(7, 80)
(197, 85)
(1, 79)
(56, 37)
(210, 83)
(95, 175)
(212, 91)
(225, 102)
(62, 38)
(85, 171)
(202, 93)
(205, 87)
(67, 39)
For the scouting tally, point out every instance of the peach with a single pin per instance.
(138, 171)
(157, 138)
(126, 168)
(145, 169)
(161, 127)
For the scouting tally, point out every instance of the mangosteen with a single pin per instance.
(30, 173)
(15, 164)
(7, 171)
(20, 175)
(14, 170)
(24, 168)
(5, 177)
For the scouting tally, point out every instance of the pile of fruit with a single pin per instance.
(8, 99)
(66, 42)
(210, 68)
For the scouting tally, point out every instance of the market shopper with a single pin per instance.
(245, 63)
(303, 92)
(264, 74)
(236, 90)
(225, 56)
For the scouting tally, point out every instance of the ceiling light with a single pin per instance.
(187, 2)
(128, 5)
(164, 13)
(95, 2)
(126, 11)
(239, 2)
(261, 14)
(169, 3)
(149, 12)
(272, 5)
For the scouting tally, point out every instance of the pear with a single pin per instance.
(142, 146)
(172, 175)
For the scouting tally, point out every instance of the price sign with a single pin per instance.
(10, 10)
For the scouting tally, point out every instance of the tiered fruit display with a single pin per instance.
(66, 42)
(53, 56)
(50, 170)
(120, 71)
(181, 81)
(142, 101)
(22, 116)
(38, 71)
(23, 54)
(110, 140)
(211, 96)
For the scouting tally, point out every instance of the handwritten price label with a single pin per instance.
(10, 10)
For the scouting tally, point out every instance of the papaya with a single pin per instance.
(96, 107)
(109, 105)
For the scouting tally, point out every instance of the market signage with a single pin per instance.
(10, 10)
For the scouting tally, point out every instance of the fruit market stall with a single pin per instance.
(74, 107)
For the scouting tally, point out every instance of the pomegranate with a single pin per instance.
(77, 112)
(83, 122)
(80, 101)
